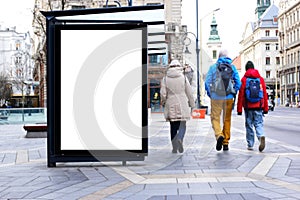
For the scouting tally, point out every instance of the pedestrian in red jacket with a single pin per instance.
(253, 98)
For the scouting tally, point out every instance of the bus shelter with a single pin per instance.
(97, 82)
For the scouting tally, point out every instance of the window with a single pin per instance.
(268, 74)
(18, 45)
(214, 54)
(153, 4)
(18, 60)
(294, 17)
(75, 7)
(267, 47)
(110, 6)
(275, 20)
(268, 61)
(267, 33)
(153, 59)
(277, 61)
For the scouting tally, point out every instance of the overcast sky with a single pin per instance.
(17, 13)
(231, 19)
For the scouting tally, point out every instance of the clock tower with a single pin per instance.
(214, 43)
(262, 6)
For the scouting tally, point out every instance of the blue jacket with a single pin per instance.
(211, 76)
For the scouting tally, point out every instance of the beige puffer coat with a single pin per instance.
(176, 95)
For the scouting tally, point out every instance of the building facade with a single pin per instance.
(172, 35)
(260, 45)
(289, 40)
(17, 65)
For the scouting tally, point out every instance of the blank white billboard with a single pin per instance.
(101, 89)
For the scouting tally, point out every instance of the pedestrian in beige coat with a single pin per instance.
(177, 99)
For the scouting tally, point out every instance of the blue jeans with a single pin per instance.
(178, 129)
(253, 118)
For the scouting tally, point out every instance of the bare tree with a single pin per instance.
(5, 88)
(39, 29)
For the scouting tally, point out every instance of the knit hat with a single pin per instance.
(223, 53)
(249, 65)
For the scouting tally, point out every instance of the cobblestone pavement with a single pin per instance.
(199, 173)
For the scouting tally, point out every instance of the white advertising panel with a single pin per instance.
(101, 90)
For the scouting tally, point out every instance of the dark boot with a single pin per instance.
(175, 146)
(180, 146)
(262, 143)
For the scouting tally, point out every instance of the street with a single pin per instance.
(200, 172)
(282, 124)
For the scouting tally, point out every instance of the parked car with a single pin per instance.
(3, 114)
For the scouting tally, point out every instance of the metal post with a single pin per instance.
(197, 52)
(129, 2)
(296, 85)
(201, 62)
(276, 92)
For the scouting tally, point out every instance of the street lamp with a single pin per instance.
(199, 78)
(197, 49)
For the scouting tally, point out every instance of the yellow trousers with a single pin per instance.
(219, 107)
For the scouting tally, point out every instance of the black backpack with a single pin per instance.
(224, 84)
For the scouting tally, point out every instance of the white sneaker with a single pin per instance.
(250, 148)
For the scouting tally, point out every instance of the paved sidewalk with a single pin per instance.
(199, 173)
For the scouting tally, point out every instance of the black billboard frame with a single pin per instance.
(55, 153)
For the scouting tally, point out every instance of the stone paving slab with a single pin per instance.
(199, 173)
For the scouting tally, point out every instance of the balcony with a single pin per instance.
(289, 67)
(271, 80)
(292, 45)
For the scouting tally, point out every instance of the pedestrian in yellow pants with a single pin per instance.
(217, 107)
